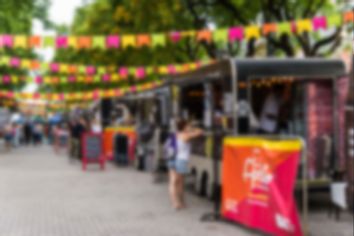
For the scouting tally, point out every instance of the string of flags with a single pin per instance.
(153, 40)
(84, 96)
(90, 70)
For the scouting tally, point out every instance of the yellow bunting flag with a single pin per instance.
(128, 41)
(26, 64)
(304, 26)
(252, 32)
(20, 41)
(72, 41)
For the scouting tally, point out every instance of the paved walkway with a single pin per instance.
(42, 194)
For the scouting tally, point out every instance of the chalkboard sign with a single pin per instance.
(92, 147)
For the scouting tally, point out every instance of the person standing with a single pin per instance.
(27, 131)
(9, 135)
(178, 166)
(96, 126)
(77, 130)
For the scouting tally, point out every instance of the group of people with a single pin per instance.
(67, 135)
(23, 133)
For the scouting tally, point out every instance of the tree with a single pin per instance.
(104, 17)
(241, 12)
(16, 18)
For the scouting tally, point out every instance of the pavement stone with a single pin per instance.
(43, 194)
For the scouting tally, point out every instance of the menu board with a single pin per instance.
(92, 147)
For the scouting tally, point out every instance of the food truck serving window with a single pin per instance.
(192, 102)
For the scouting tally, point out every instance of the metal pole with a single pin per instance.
(304, 189)
(335, 125)
(233, 78)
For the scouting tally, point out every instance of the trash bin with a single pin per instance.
(121, 147)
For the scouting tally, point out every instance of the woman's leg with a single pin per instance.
(173, 188)
(180, 190)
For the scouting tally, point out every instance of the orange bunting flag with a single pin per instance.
(72, 69)
(35, 41)
(348, 17)
(84, 42)
(35, 65)
(143, 40)
(204, 35)
(269, 28)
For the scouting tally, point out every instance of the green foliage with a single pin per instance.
(104, 17)
(16, 18)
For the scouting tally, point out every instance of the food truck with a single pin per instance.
(297, 97)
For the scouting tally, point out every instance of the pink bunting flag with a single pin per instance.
(61, 42)
(15, 62)
(171, 69)
(198, 64)
(10, 94)
(236, 33)
(36, 96)
(54, 67)
(96, 94)
(7, 41)
(90, 70)
(140, 72)
(123, 72)
(106, 78)
(175, 36)
(72, 79)
(319, 22)
(117, 92)
(293, 27)
(39, 79)
(6, 79)
(61, 96)
(112, 41)
(133, 89)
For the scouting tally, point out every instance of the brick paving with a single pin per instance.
(42, 194)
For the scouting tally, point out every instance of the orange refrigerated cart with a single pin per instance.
(108, 143)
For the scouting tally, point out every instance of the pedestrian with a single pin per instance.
(96, 126)
(61, 136)
(178, 166)
(77, 129)
(17, 134)
(9, 135)
(37, 134)
(27, 131)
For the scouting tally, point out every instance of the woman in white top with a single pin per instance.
(178, 167)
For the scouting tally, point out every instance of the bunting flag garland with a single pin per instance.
(123, 71)
(84, 96)
(153, 40)
(139, 73)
